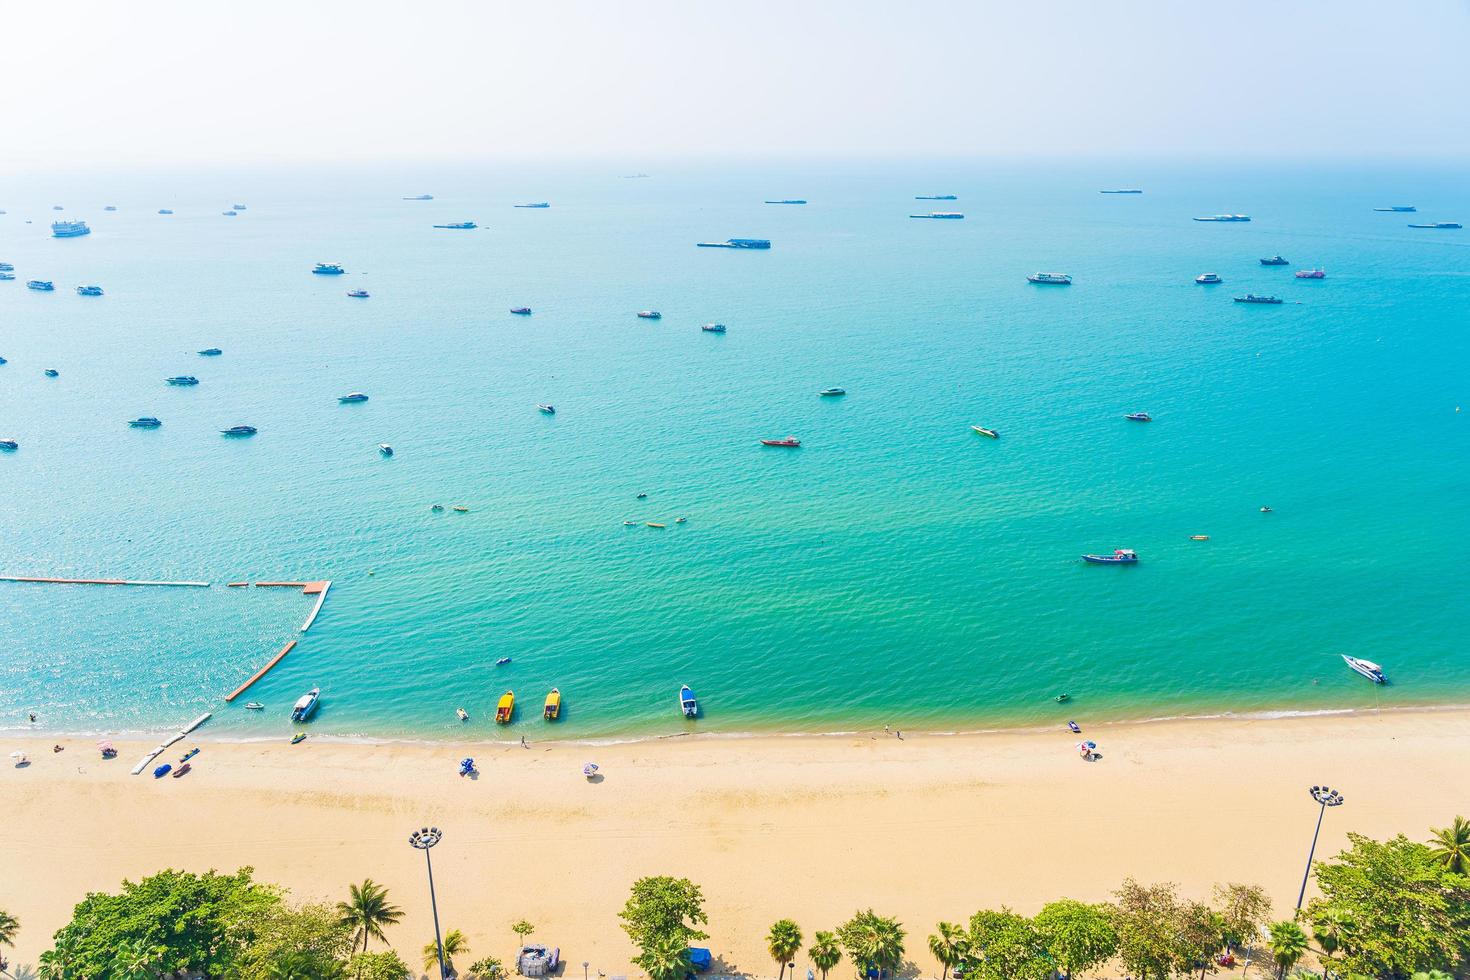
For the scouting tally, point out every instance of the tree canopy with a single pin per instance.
(661, 916)
(873, 942)
(1078, 936)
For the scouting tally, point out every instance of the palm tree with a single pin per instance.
(949, 946)
(667, 958)
(1451, 845)
(367, 911)
(1331, 926)
(783, 942)
(455, 944)
(9, 926)
(888, 946)
(825, 952)
(1288, 945)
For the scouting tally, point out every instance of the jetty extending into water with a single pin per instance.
(99, 581)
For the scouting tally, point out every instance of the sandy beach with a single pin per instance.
(923, 827)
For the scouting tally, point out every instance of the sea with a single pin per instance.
(896, 569)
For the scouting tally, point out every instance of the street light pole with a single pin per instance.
(1325, 798)
(423, 839)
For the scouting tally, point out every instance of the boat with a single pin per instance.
(1439, 224)
(9, 445)
(1050, 279)
(162, 770)
(1139, 417)
(521, 310)
(1226, 217)
(832, 392)
(1265, 510)
(1074, 728)
(791, 201)
(1275, 260)
(145, 422)
(940, 215)
(1367, 668)
(688, 704)
(385, 449)
(505, 708)
(790, 442)
(502, 661)
(988, 433)
(238, 207)
(211, 352)
(437, 508)
(253, 706)
(680, 520)
(40, 285)
(189, 754)
(420, 197)
(936, 197)
(1399, 209)
(553, 705)
(630, 524)
(1311, 274)
(458, 225)
(6, 276)
(1208, 279)
(737, 243)
(547, 409)
(1124, 190)
(306, 704)
(654, 524)
(590, 771)
(3, 361)
(1122, 556)
(1062, 698)
(164, 211)
(57, 207)
(69, 229)
(352, 398)
(650, 315)
(713, 328)
(298, 738)
(239, 430)
(229, 214)
(51, 373)
(6, 267)
(460, 509)
(89, 290)
(538, 204)
(182, 380)
(358, 293)
(328, 269)
(462, 714)
(1253, 298)
(1199, 537)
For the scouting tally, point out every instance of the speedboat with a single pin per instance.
(940, 215)
(1399, 209)
(352, 398)
(328, 269)
(547, 409)
(1253, 298)
(229, 214)
(182, 380)
(790, 442)
(1226, 217)
(52, 373)
(713, 328)
(253, 706)
(1208, 279)
(9, 445)
(385, 449)
(358, 293)
(461, 714)
(1367, 668)
(6, 267)
(1275, 260)
(791, 201)
(89, 290)
(6, 276)
(553, 705)
(211, 352)
(145, 422)
(239, 430)
(1074, 728)
(987, 433)
(1311, 274)
(502, 661)
(1122, 556)
(688, 705)
(164, 211)
(420, 197)
(306, 704)
(521, 310)
(1440, 224)
(650, 315)
(1050, 279)
(537, 204)
(1139, 417)
(505, 708)
(936, 197)
(458, 225)
(41, 285)
(69, 229)
(737, 243)
(832, 392)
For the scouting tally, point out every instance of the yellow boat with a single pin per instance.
(461, 510)
(505, 708)
(988, 433)
(553, 704)
(655, 524)
(1199, 537)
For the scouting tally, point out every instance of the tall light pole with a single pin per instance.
(1325, 797)
(423, 839)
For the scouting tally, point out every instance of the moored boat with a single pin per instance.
(788, 201)
(89, 290)
(688, 704)
(1367, 668)
(756, 243)
(521, 310)
(1439, 224)
(1399, 209)
(328, 269)
(1226, 217)
(358, 293)
(536, 204)
(546, 409)
(52, 373)
(937, 197)
(1121, 556)
(385, 449)
(1124, 190)
(790, 442)
(420, 197)
(506, 708)
(832, 392)
(41, 285)
(306, 705)
(69, 229)
(940, 215)
(458, 225)
(9, 445)
(211, 352)
(553, 705)
(987, 433)
(165, 211)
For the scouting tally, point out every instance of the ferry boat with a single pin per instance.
(1275, 260)
(1050, 279)
(239, 430)
(506, 708)
(937, 197)
(790, 442)
(89, 290)
(521, 310)
(211, 352)
(793, 200)
(358, 293)
(832, 392)
(1139, 417)
(987, 433)
(1226, 217)
(352, 398)
(546, 409)
(537, 204)
(713, 328)
(306, 704)
(328, 269)
(1253, 298)
(737, 243)
(458, 225)
(164, 211)
(1125, 190)
(41, 285)
(145, 422)
(553, 705)
(9, 445)
(688, 704)
(69, 229)
(1367, 668)
(650, 315)
(1311, 274)
(1121, 556)
(940, 215)
(1208, 279)
(1399, 209)
(183, 380)
(420, 197)
(385, 449)
(1439, 224)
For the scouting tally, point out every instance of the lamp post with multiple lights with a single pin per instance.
(423, 839)
(1325, 797)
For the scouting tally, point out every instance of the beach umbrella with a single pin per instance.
(105, 745)
(18, 756)
(589, 770)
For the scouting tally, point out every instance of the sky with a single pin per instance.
(107, 83)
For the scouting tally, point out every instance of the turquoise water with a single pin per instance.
(896, 569)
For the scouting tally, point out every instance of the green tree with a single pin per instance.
(134, 960)
(1146, 918)
(662, 913)
(386, 965)
(366, 911)
(299, 964)
(949, 943)
(488, 968)
(1244, 911)
(522, 929)
(825, 952)
(1078, 936)
(312, 939)
(455, 944)
(1288, 945)
(1201, 933)
(1329, 926)
(872, 942)
(1401, 909)
(783, 942)
(667, 958)
(194, 923)
(9, 926)
(1451, 845)
(1009, 946)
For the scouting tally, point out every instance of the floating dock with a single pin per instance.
(260, 673)
(177, 737)
(318, 589)
(99, 581)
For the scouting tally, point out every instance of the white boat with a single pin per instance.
(385, 449)
(547, 409)
(89, 290)
(1050, 278)
(940, 215)
(687, 702)
(306, 704)
(352, 398)
(1367, 668)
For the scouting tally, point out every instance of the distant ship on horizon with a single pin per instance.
(420, 197)
(936, 197)
(1125, 190)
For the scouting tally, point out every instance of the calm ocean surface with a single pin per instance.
(895, 569)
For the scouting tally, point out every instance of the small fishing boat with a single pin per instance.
(239, 430)
(1226, 217)
(253, 706)
(832, 392)
(164, 211)
(793, 200)
(162, 770)
(680, 520)
(713, 328)
(182, 770)
(1275, 260)
(306, 704)
(211, 352)
(535, 204)
(936, 197)
(1121, 556)
(6, 267)
(462, 714)
(298, 737)
(1399, 209)
(145, 422)
(688, 704)
(650, 315)
(521, 310)
(1139, 417)
(6, 276)
(505, 708)
(420, 197)
(328, 269)
(437, 508)
(630, 524)
(1367, 668)
(1265, 510)
(790, 442)
(941, 216)
(229, 214)
(553, 705)
(654, 524)
(352, 398)
(9, 445)
(238, 207)
(1439, 224)
(1311, 274)
(987, 433)
(358, 293)
(546, 409)
(182, 380)
(756, 243)
(385, 449)
(502, 661)
(1208, 279)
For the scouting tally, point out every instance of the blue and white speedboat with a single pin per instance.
(306, 704)
(69, 229)
(211, 352)
(89, 290)
(1122, 556)
(9, 445)
(535, 204)
(1367, 668)
(352, 398)
(940, 215)
(688, 704)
